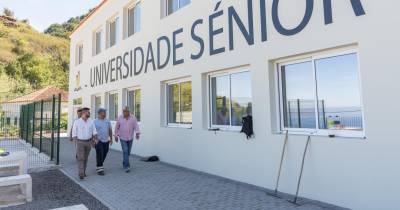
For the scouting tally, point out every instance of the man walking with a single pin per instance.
(104, 136)
(85, 135)
(125, 128)
(79, 114)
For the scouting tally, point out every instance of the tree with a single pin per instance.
(7, 12)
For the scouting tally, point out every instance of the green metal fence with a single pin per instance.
(39, 125)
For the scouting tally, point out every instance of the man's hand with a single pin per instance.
(137, 136)
(116, 139)
(110, 142)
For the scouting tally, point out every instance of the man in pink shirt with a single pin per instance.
(125, 128)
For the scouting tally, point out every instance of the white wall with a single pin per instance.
(353, 173)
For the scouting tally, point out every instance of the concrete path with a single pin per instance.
(161, 186)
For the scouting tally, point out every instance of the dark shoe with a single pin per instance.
(81, 177)
(128, 169)
(101, 173)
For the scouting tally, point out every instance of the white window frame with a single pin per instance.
(113, 19)
(79, 54)
(108, 103)
(130, 6)
(172, 82)
(94, 102)
(97, 51)
(209, 100)
(179, 7)
(317, 131)
(127, 90)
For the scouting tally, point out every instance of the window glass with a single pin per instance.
(183, 3)
(240, 97)
(339, 100)
(134, 102)
(98, 42)
(138, 96)
(186, 102)
(175, 5)
(80, 54)
(97, 103)
(134, 22)
(113, 33)
(173, 104)
(220, 97)
(113, 106)
(298, 95)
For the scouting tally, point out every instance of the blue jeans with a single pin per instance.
(126, 151)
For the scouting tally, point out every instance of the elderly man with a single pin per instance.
(104, 136)
(125, 128)
(84, 134)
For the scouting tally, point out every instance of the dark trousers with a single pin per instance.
(101, 154)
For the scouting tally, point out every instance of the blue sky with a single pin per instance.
(42, 13)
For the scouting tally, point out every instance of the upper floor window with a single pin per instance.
(112, 32)
(79, 54)
(133, 19)
(179, 103)
(321, 95)
(174, 5)
(230, 98)
(97, 42)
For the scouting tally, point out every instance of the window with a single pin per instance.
(133, 98)
(321, 94)
(113, 106)
(77, 104)
(77, 101)
(96, 103)
(112, 32)
(175, 5)
(179, 103)
(97, 42)
(79, 54)
(230, 99)
(133, 19)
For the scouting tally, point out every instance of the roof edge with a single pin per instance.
(88, 17)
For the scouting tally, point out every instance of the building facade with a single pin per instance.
(191, 69)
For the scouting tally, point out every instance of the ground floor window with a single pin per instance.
(179, 103)
(96, 103)
(113, 106)
(77, 104)
(230, 98)
(321, 94)
(133, 98)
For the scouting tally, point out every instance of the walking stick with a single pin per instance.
(280, 164)
(301, 171)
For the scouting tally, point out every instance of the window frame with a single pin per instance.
(312, 58)
(97, 51)
(108, 104)
(111, 20)
(179, 7)
(94, 96)
(130, 6)
(172, 82)
(127, 90)
(209, 99)
(79, 54)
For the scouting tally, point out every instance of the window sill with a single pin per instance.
(225, 129)
(338, 134)
(179, 126)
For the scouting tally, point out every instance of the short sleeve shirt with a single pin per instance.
(103, 131)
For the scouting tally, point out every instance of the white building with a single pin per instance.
(328, 69)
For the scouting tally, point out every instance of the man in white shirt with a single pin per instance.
(85, 135)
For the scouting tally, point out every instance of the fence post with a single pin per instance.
(41, 126)
(33, 123)
(298, 112)
(324, 113)
(27, 123)
(21, 113)
(58, 129)
(52, 127)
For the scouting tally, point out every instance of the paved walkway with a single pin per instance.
(161, 186)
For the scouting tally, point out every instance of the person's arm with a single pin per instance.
(70, 132)
(117, 125)
(110, 133)
(74, 132)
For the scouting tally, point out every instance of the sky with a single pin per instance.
(42, 13)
